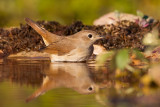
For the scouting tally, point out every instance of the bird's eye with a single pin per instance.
(90, 88)
(90, 36)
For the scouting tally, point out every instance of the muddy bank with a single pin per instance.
(122, 34)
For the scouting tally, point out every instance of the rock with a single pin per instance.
(98, 49)
(111, 18)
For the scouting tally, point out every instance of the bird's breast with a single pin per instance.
(76, 55)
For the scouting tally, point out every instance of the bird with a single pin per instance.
(75, 76)
(73, 48)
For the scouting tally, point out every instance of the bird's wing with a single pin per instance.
(60, 47)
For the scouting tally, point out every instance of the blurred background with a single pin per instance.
(13, 12)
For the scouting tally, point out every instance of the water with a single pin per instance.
(63, 84)
(39, 83)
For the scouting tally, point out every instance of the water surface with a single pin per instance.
(63, 84)
(39, 83)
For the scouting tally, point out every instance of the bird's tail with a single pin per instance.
(47, 36)
(46, 86)
(36, 27)
(35, 95)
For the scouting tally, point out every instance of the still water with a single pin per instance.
(39, 83)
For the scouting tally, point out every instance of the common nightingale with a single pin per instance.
(73, 48)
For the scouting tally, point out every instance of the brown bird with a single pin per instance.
(75, 76)
(75, 48)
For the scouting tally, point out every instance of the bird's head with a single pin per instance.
(86, 88)
(88, 36)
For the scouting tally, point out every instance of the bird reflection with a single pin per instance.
(69, 75)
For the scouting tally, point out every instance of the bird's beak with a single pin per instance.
(101, 37)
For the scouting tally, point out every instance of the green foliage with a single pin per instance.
(122, 59)
(101, 59)
(13, 12)
(140, 56)
(139, 13)
(119, 59)
(152, 38)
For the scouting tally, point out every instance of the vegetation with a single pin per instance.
(12, 12)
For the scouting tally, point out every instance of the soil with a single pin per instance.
(124, 34)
